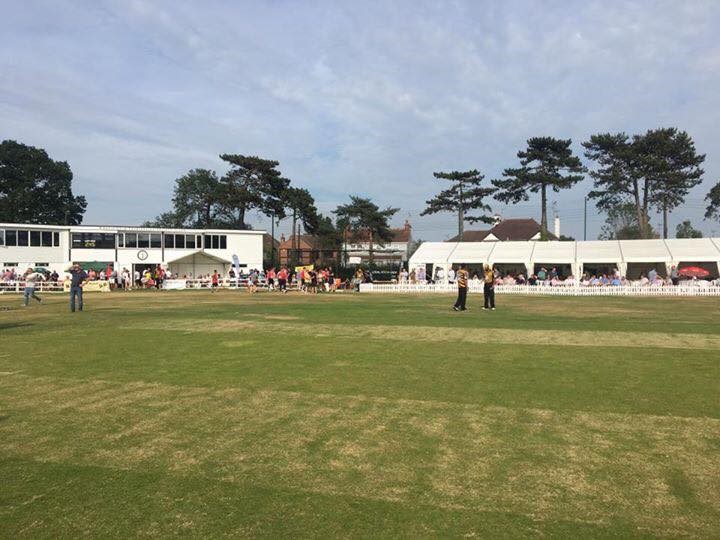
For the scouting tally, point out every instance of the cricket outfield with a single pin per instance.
(356, 415)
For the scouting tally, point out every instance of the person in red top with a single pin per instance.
(270, 276)
(282, 279)
(215, 281)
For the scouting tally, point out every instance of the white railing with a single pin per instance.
(546, 290)
(17, 286)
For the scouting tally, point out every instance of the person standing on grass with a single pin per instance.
(282, 279)
(78, 278)
(270, 276)
(31, 278)
(489, 287)
(215, 281)
(462, 283)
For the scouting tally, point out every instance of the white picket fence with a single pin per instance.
(544, 290)
(40, 286)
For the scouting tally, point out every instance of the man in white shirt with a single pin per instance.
(31, 278)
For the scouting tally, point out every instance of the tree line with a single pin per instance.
(633, 176)
(202, 199)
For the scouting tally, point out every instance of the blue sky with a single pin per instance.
(365, 98)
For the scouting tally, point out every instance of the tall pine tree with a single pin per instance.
(364, 216)
(653, 171)
(713, 198)
(251, 183)
(465, 194)
(546, 164)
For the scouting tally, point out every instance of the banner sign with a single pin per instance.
(90, 286)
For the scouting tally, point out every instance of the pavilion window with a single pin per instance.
(11, 238)
(143, 240)
(131, 240)
(22, 238)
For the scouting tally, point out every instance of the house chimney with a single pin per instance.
(557, 226)
(407, 226)
(497, 218)
(282, 238)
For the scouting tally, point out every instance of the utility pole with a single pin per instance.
(272, 240)
(461, 214)
(585, 220)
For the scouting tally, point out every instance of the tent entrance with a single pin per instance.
(637, 270)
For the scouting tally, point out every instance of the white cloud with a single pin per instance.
(351, 98)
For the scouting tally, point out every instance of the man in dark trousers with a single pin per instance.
(78, 277)
(489, 288)
(461, 277)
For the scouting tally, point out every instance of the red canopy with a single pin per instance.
(694, 271)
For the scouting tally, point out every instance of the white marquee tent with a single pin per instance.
(630, 256)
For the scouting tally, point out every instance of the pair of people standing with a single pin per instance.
(462, 277)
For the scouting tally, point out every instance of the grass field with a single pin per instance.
(364, 416)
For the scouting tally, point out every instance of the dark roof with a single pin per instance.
(517, 229)
(470, 236)
(513, 229)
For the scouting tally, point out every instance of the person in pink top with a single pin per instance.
(282, 279)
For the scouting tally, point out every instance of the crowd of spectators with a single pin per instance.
(554, 278)
(324, 279)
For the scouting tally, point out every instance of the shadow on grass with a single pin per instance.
(10, 325)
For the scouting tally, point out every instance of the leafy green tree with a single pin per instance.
(713, 198)
(301, 206)
(196, 198)
(672, 164)
(328, 236)
(413, 247)
(617, 180)
(546, 164)
(166, 220)
(464, 194)
(36, 189)
(196, 201)
(622, 223)
(251, 183)
(363, 215)
(686, 230)
(652, 171)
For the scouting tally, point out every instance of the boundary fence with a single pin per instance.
(17, 287)
(546, 290)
